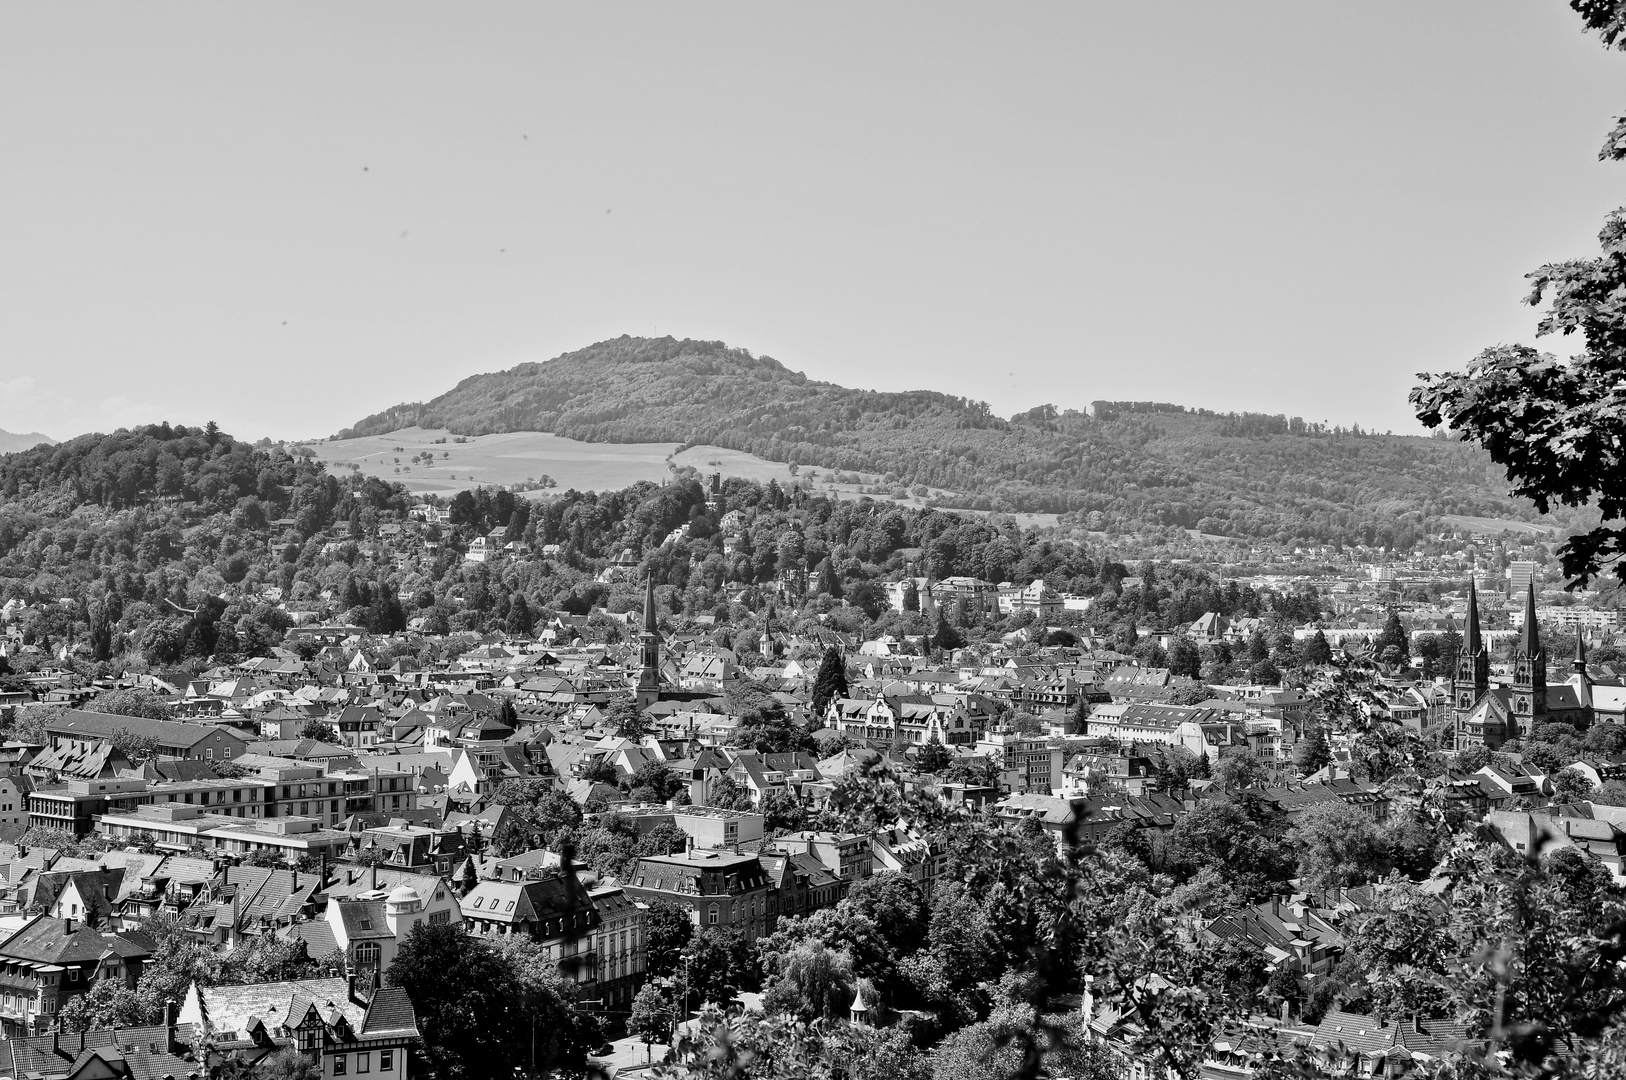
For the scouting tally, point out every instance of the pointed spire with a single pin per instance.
(1470, 629)
(1529, 638)
(1578, 665)
(649, 604)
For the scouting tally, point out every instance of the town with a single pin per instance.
(290, 783)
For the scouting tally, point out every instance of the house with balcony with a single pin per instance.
(49, 961)
(553, 908)
(345, 1027)
(716, 888)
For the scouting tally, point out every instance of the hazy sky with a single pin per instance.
(286, 216)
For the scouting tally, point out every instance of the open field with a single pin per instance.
(1492, 525)
(510, 458)
(521, 456)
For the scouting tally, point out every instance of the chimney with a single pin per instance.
(172, 1010)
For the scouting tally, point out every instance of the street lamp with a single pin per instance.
(677, 1019)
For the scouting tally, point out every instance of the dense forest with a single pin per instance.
(175, 549)
(1120, 466)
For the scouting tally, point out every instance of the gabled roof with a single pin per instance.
(168, 733)
(363, 919)
(44, 940)
(143, 1053)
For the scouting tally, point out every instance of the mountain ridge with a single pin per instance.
(1126, 465)
(13, 441)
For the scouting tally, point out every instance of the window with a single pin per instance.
(386, 1060)
(440, 918)
(711, 915)
(341, 1064)
(363, 1060)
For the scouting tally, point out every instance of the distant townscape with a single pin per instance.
(306, 775)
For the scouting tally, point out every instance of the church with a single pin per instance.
(1489, 715)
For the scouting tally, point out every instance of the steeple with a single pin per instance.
(1529, 689)
(1471, 677)
(1529, 636)
(649, 651)
(649, 605)
(1578, 677)
(1471, 643)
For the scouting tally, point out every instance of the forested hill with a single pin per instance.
(1118, 465)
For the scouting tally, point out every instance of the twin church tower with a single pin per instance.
(1489, 716)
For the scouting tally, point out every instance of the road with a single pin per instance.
(630, 1055)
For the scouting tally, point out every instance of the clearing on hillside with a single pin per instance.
(519, 458)
(1498, 525)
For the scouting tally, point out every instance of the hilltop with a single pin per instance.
(1117, 465)
(11, 442)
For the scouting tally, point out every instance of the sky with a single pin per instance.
(284, 217)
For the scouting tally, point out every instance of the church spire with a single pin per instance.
(1529, 636)
(1578, 665)
(649, 605)
(649, 648)
(1529, 689)
(1470, 631)
(1470, 679)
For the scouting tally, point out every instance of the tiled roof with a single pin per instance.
(389, 1013)
(143, 1050)
(363, 919)
(226, 1010)
(45, 940)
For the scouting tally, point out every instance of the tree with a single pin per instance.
(627, 720)
(1557, 428)
(320, 731)
(520, 621)
(1014, 1041)
(651, 1018)
(1184, 657)
(810, 980)
(479, 1014)
(658, 778)
(933, 757)
(538, 815)
(729, 794)
(1571, 785)
(830, 682)
(667, 931)
(664, 839)
(722, 963)
(1313, 754)
(1338, 846)
(1317, 650)
(1393, 636)
(896, 906)
(782, 811)
(132, 701)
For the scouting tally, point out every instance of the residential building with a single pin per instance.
(351, 1030)
(716, 888)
